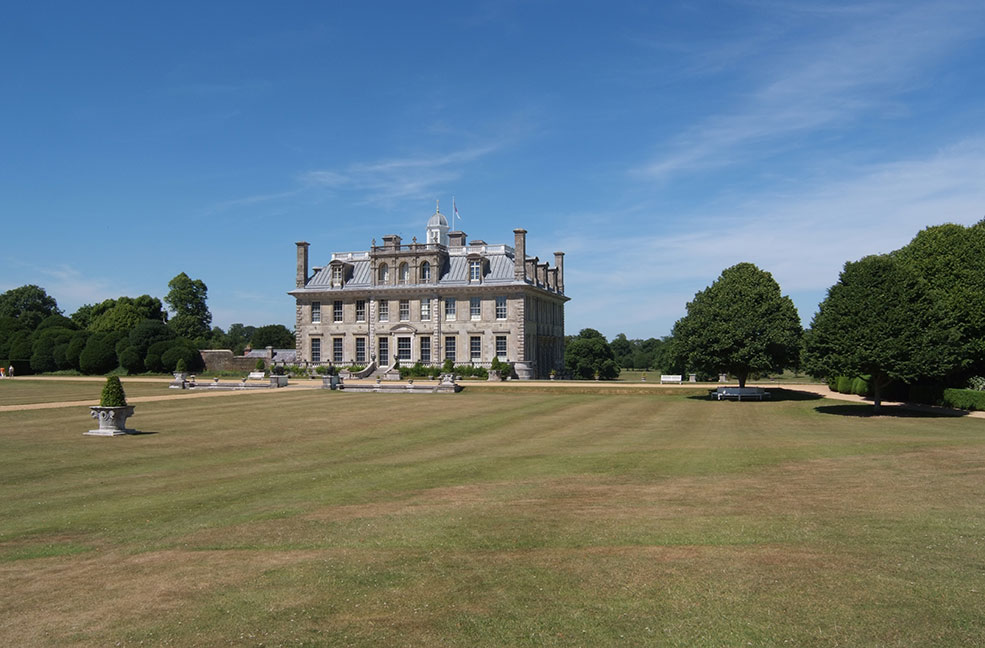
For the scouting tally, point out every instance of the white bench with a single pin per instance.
(671, 379)
(738, 393)
(255, 375)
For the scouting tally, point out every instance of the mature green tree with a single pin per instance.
(740, 325)
(237, 339)
(120, 314)
(186, 299)
(622, 351)
(28, 304)
(121, 318)
(882, 319)
(588, 354)
(277, 336)
(951, 259)
(663, 357)
(83, 315)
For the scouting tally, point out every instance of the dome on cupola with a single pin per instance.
(437, 220)
(437, 231)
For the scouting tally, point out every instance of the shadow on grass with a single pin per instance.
(139, 432)
(777, 394)
(865, 410)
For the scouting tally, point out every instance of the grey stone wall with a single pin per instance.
(224, 360)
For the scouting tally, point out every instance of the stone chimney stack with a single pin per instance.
(302, 263)
(520, 252)
(559, 265)
(456, 239)
(552, 279)
(531, 268)
(542, 274)
(391, 242)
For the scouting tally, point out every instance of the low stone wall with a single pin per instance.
(224, 360)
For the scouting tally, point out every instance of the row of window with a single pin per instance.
(403, 273)
(403, 310)
(404, 344)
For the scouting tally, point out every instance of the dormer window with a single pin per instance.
(337, 276)
(383, 274)
(475, 270)
(425, 272)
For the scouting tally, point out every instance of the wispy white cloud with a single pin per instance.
(803, 238)
(826, 82)
(253, 200)
(388, 180)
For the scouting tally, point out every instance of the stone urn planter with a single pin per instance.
(112, 420)
(112, 411)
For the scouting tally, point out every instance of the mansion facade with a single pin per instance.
(426, 302)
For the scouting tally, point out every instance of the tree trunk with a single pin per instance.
(877, 384)
(742, 378)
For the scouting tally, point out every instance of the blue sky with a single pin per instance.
(656, 143)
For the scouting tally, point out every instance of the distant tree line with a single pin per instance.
(127, 335)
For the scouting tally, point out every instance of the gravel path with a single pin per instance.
(813, 388)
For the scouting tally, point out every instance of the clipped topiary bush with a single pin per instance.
(113, 394)
(843, 385)
(860, 386)
(131, 361)
(260, 365)
(98, 356)
(181, 366)
(170, 358)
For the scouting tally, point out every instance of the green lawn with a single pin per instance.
(20, 391)
(492, 519)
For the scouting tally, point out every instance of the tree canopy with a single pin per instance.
(951, 260)
(29, 305)
(881, 319)
(186, 299)
(277, 336)
(740, 325)
(638, 354)
(588, 354)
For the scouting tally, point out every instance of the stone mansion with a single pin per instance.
(426, 302)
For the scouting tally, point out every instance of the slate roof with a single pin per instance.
(456, 274)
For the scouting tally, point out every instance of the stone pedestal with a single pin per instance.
(112, 420)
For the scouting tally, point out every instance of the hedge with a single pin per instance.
(843, 385)
(860, 386)
(967, 399)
